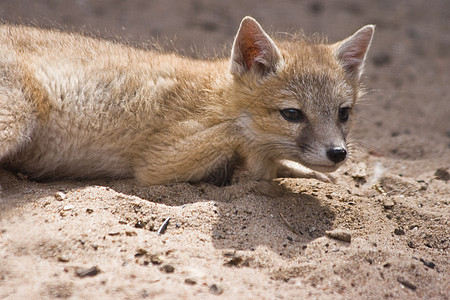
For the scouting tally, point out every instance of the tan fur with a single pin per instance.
(73, 106)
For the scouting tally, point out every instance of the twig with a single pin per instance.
(163, 227)
(288, 225)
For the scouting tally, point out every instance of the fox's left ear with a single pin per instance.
(253, 50)
(352, 51)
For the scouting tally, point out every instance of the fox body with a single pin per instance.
(78, 107)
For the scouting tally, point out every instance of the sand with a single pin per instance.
(381, 232)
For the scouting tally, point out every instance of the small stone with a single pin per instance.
(63, 258)
(340, 234)
(167, 268)
(359, 173)
(89, 210)
(388, 203)
(215, 289)
(139, 224)
(399, 231)
(68, 207)
(140, 252)
(113, 233)
(88, 272)
(190, 281)
(411, 245)
(60, 196)
(235, 260)
(429, 264)
(156, 259)
(406, 283)
(130, 233)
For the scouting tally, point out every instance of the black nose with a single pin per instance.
(337, 154)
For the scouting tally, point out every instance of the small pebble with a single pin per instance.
(68, 207)
(215, 289)
(63, 258)
(388, 203)
(88, 272)
(167, 268)
(139, 224)
(190, 281)
(406, 283)
(340, 234)
(235, 260)
(60, 196)
(156, 259)
(429, 264)
(140, 252)
(399, 231)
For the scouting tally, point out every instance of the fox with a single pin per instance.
(79, 107)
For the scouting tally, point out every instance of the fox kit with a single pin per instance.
(77, 107)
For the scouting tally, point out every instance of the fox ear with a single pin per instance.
(352, 51)
(253, 50)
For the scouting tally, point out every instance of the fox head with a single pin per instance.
(295, 98)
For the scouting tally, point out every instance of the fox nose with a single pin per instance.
(337, 154)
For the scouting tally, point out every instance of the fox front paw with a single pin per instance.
(328, 178)
(290, 169)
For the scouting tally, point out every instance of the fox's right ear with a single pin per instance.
(253, 50)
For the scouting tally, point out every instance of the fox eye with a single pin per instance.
(344, 113)
(292, 114)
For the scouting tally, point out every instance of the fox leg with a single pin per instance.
(291, 169)
(206, 155)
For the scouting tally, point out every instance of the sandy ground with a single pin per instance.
(99, 240)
